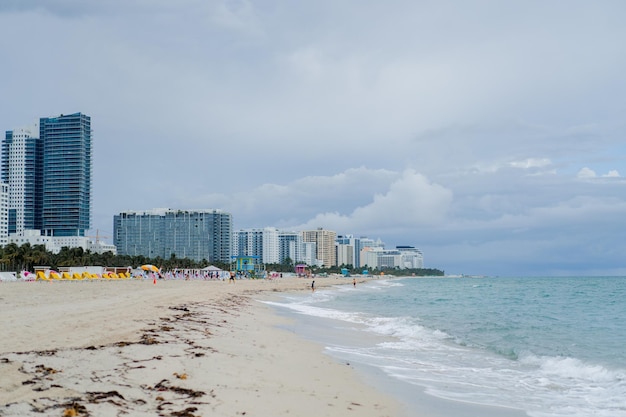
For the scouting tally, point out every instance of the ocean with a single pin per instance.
(548, 346)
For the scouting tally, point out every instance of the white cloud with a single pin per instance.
(411, 201)
(586, 173)
(531, 163)
(309, 114)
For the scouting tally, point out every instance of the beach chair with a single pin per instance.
(55, 275)
(41, 276)
(66, 275)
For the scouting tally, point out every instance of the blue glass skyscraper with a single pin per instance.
(66, 203)
(48, 171)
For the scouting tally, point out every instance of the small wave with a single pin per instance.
(573, 369)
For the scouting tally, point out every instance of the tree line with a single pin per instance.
(26, 257)
(19, 258)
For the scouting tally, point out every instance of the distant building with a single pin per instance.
(412, 258)
(4, 213)
(291, 246)
(260, 243)
(22, 171)
(309, 254)
(193, 234)
(348, 250)
(345, 254)
(54, 244)
(48, 169)
(402, 257)
(325, 245)
(66, 209)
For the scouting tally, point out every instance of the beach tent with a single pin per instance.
(8, 276)
(215, 271)
(212, 268)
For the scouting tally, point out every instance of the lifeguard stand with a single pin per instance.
(301, 270)
(248, 266)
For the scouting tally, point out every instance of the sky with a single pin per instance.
(489, 134)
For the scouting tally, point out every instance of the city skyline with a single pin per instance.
(48, 169)
(490, 135)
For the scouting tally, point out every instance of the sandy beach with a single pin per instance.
(174, 348)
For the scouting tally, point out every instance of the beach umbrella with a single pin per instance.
(149, 267)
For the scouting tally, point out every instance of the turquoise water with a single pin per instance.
(548, 346)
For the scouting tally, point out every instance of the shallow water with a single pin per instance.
(548, 346)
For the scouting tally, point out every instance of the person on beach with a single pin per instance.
(232, 278)
(313, 286)
(354, 282)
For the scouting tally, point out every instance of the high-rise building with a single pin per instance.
(257, 242)
(348, 250)
(193, 234)
(325, 244)
(48, 170)
(290, 246)
(22, 171)
(4, 213)
(66, 209)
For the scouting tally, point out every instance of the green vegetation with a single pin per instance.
(25, 257)
(288, 266)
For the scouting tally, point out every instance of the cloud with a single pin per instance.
(457, 127)
(411, 202)
(586, 173)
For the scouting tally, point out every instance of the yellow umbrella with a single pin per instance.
(150, 268)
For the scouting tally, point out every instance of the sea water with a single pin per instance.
(548, 346)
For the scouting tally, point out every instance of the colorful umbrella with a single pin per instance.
(150, 268)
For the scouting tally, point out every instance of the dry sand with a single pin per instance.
(174, 348)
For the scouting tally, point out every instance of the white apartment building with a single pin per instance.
(309, 254)
(402, 257)
(4, 213)
(55, 243)
(18, 165)
(291, 246)
(345, 254)
(257, 242)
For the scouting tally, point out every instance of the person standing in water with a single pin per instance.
(313, 286)
(354, 282)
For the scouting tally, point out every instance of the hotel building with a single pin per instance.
(48, 170)
(201, 235)
(325, 245)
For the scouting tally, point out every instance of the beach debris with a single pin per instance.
(148, 340)
(164, 386)
(180, 376)
(45, 370)
(187, 412)
(74, 410)
(50, 352)
(96, 397)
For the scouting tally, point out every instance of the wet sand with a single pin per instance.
(174, 348)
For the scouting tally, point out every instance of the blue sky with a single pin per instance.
(489, 134)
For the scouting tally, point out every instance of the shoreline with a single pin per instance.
(184, 348)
